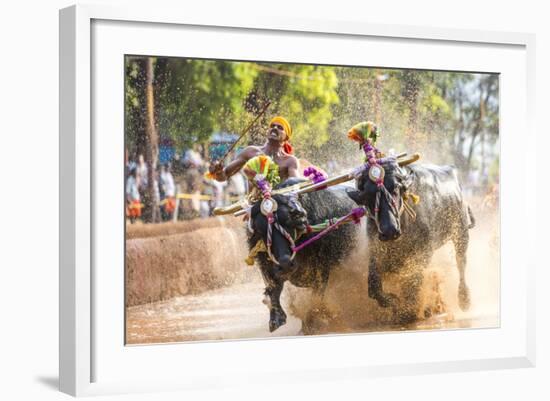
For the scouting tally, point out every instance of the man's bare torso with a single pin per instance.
(282, 159)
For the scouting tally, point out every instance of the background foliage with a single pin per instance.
(449, 117)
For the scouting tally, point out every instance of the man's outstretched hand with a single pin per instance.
(216, 169)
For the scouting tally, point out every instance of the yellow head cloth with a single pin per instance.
(284, 123)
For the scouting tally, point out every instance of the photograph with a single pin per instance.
(268, 199)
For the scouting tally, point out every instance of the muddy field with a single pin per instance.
(140, 230)
(205, 291)
(186, 259)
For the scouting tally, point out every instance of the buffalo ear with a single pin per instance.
(405, 177)
(356, 196)
(408, 180)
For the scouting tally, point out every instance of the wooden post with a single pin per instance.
(151, 150)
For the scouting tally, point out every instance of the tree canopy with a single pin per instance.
(450, 117)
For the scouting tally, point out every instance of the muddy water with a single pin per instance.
(227, 313)
(237, 311)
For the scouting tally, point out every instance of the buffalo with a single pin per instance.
(311, 266)
(403, 237)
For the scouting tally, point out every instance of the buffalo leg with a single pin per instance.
(375, 287)
(461, 247)
(272, 298)
(318, 317)
(408, 308)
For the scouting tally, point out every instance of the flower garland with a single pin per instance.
(264, 166)
(315, 175)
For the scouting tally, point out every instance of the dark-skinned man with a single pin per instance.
(277, 147)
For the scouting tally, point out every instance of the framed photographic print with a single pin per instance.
(308, 193)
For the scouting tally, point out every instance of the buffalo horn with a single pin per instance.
(235, 207)
(411, 159)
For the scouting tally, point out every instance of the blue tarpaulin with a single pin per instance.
(220, 143)
(166, 154)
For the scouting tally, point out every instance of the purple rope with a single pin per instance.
(370, 151)
(355, 215)
(367, 148)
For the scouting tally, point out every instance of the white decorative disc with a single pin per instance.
(376, 173)
(268, 205)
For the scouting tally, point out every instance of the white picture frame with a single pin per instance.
(83, 351)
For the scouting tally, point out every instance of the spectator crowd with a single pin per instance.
(180, 189)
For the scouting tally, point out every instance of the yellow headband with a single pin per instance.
(284, 123)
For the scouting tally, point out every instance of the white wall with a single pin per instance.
(28, 163)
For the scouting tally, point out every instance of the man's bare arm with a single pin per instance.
(222, 173)
(293, 167)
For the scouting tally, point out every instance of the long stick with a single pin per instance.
(237, 210)
(334, 180)
(245, 131)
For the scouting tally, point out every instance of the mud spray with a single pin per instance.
(347, 307)
(210, 294)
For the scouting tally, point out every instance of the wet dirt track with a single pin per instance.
(226, 313)
(237, 311)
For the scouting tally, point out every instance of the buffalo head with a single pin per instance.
(290, 216)
(380, 188)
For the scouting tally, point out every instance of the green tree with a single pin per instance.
(141, 122)
(201, 96)
(304, 94)
(447, 116)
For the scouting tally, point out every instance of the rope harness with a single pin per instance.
(322, 229)
(270, 224)
(397, 212)
(268, 207)
(353, 217)
(376, 174)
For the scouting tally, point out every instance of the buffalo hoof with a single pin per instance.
(463, 297)
(277, 319)
(317, 320)
(428, 312)
(406, 316)
(386, 299)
